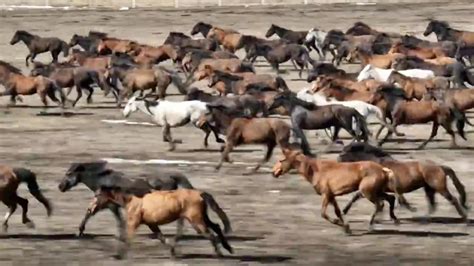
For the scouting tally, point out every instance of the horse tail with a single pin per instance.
(457, 183)
(461, 119)
(210, 202)
(28, 177)
(362, 125)
(182, 181)
(281, 83)
(65, 48)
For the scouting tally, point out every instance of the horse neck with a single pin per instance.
(279, 30)
(26, 38)
(142, 107)
(399, 78)
(91, 181)
(305, 168)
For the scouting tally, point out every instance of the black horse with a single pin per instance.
(184, 41)
(95, 175)
(305, 115)
(38, 45)
(88, 43)
(202, 28)
(292, 36)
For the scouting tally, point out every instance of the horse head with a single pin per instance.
(77, 170)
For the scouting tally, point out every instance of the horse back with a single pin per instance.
(8, 181)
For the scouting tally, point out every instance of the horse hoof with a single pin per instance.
(30, 224)
(5, 228)
(347, 229)
(118, 256)
(396, 222)
(400, 134)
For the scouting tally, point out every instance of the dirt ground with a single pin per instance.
(275, 220)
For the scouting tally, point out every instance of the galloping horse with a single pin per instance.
(10, 180)
(38, 45)
(297, 37)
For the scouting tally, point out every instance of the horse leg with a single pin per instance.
(26, 60)
(338, 213)
(33, 56)
(327, 199)
(389, 133)
(132, 225)
(268, 155)
(202, 229)
(69, 90)
(89, 214)
(89, 97)
(177, 236)
(79, 94)
(167, 136)
(391, 201)
(448, 196)
(229, 145)
(55, 55)
(378, 208)
(24, 215)
(449, 130)
(430, 196)
(357, 196)
(42, 95)
(115, 209)
(434, 132)
(12, 209)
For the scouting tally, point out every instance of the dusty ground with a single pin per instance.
(275, 221)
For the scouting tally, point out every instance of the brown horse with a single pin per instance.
(462, 99)
(184, 41)
(163, 207)
(11, 179)
(139, 79)
(207, 66)
(444, 32)
(267, 131)
(421, 52)
(325, 81)
(192, 57)
(422, 112)
(155, 55)
(331, 179)
(19, 84)
(5, 70)
(85, 59)
(38, 45)
(292, 36)
(416, 88)
(412, 175)
(229, 39)
(113, 45)
(381, 61)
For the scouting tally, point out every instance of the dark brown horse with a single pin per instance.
(184, 41)
(11, 178)
(292, 36)
(444, 32)
(38, 45)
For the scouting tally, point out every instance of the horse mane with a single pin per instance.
(180, 34)
(227, 75)
(10, 67)
(292, 97)
(24, 32)
(441, 23)
(392, 91)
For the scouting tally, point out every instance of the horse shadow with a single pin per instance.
(241, 258)
(64, 114)
(440, 220)
(412, 233)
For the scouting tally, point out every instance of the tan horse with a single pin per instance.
(154, 54)
(415, 88)
(114, 45)
(228, 38)
(207, 66)
(98, 63)
(331, 179)
(324, 81)
(10, 180)
(381, 61)
(420, 52)
(19, 84)
(441, 61)
(163, 207)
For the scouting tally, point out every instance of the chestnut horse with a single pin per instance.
(331, 179)
(11, 179)
(163, 207)
(412, 175)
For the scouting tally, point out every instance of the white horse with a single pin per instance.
(315, 39)
(172, 114)
(365, 109)
(379, 74)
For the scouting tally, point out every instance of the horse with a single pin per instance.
(417, 51)
(172, 114)
(184, 41)
(305, 115)
(111, 45)
(297, 37)
(449, 47)
(382, 75)
(95, 174)
(416, 88)
(239, 83)
(298, 55)
(5, 70)
(68, 76)
(19, 84)
(229, 39)
(85, 59)
(246, 104)
(156, 54)
(364, 109)
(248, 41)
(88, 43)
(191, 58)
(11, 179)
(207, 66)
(38, 45)
(163, 207)
(412, 175)
(408, 113)
(139, 79)
(461, 99)
(360, 28)
(381, 61)
(314, 39)
(444, 32)
(328, 69)
(331, 179)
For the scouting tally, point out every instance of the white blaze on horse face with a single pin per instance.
(130, 107)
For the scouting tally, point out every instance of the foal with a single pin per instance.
(331, 179)
(163, 207)
(10, 180)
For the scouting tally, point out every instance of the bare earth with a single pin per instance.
(275, 220)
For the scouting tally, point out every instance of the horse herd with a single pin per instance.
(403, 80)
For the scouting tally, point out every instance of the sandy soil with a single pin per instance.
(275, 221)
